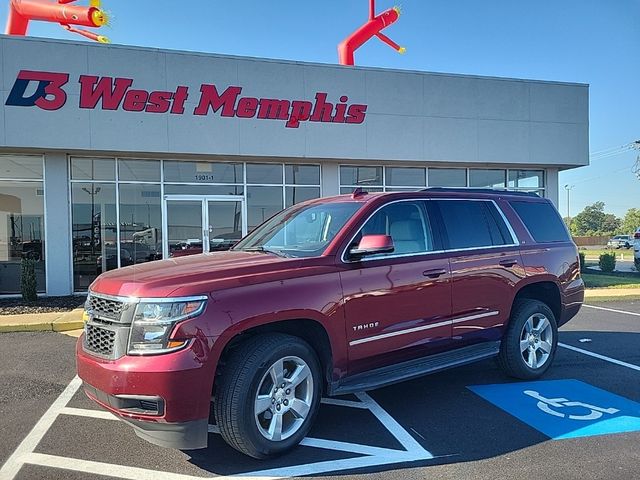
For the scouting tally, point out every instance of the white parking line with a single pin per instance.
(344, 403)
(601, 357)
(85, 412)
(30, 442)
(371, 456)
(612, 310)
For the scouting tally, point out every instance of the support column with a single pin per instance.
(58, 246)
(330, 179)
(551, 187)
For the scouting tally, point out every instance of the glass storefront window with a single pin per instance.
(295, 195)
(138, 187)
(93, 168)
(21, 166)
(447, 177)
(203, 172)
(138, 170)
(262, 203)
(93, 207)
(532, 179)
(405, 177)
(403, 189)
(347, 190)
(360, 176)
(170, 189)
(140, 224)
(21, 232)
(485, 178)
(264, 173)
(302, 174)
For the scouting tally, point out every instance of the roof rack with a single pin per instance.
(478, 190)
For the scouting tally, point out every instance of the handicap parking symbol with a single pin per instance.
(564, 408)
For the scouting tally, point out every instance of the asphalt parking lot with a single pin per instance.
(582, 420)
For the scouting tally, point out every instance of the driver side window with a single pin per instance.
(406, 223)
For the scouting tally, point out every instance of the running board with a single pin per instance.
(400, 372)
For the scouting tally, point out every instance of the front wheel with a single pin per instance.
(268, 395)
(530, 343)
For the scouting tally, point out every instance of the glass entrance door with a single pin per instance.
(195, 224)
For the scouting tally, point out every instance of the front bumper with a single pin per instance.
(180, 381)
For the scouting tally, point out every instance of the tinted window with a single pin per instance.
(473, 224)
(542, 221)
(407, 224)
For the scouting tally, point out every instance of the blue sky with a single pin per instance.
(588, 41)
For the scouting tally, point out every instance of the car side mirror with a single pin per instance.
(372, 245)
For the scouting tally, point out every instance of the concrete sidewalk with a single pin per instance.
(611, 292)
(40, 322)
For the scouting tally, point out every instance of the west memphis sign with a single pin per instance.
(110, 93)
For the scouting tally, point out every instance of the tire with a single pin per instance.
(247, 385)
(529, 344)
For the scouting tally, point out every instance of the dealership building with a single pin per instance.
(113, 155)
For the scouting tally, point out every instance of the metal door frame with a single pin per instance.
(204, 201)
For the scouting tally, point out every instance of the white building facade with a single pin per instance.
(112, 156)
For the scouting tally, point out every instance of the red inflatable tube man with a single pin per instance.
(21, 12)
(372, 28)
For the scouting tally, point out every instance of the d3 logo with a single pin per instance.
(48, 95)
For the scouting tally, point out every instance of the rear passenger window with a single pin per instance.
(542, 220)
(473, 224)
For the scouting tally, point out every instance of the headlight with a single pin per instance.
(153, 323)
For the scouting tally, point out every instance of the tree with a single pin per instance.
(631, 220)
(610, 223)
(593, 221)
(571, 226)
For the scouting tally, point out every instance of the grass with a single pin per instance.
(617, 280)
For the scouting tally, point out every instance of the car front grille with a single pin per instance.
(106, 307)
(100, 340)
(108, 326)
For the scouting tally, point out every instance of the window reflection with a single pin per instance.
(302, 174)
(447, 177)
(140, 224)
(94, 232)
(300, 194)
(485, 178)
(262, 203)
(21, 233)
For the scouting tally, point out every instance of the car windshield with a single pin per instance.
(300, 231)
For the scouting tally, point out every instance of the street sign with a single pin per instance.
(564, 408)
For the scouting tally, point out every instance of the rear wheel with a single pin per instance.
(530, 343)
(268, 395)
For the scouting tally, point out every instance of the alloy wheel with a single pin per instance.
(536, 341)
(284, 398)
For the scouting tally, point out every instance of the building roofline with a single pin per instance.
(288, 62)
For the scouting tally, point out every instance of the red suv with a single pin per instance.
(330, 296)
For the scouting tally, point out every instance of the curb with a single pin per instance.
(54, 322)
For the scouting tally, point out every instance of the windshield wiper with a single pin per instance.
(279, 253)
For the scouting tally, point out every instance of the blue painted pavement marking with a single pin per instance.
(564, 408)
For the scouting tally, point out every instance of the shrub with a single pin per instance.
(28, 281)
(582, 265)
(607, 262)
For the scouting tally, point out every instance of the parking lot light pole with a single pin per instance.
(568, 188)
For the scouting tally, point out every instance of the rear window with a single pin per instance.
(542, 221)
(473, 224)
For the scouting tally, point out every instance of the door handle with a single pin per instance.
(509, 262)
(434, 273)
